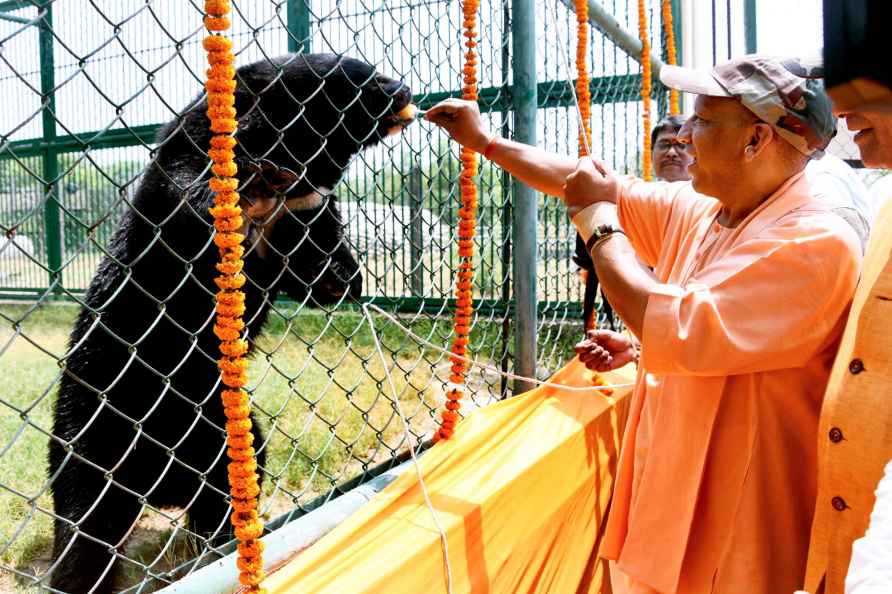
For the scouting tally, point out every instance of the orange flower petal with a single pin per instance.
(240, 441)
(216, 23)
(217, 8)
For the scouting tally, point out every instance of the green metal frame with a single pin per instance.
(14, 19)
(49, 147)
(15, 5)
(50, 154)
(408, 305)
(98, 139)
(749, 24)
(492, 99)
(299, 26)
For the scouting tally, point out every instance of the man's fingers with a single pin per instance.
(587, 359)
(451, 105)
(597, 165)
(600, 364)
(605, 350)
(594, 355)
(603, 337)
(612, 341)
(602, 167)
(586, 164)
(444, 110)
(589, 355)
(441, 116)
(582, 346)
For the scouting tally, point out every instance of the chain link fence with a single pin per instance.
(88, 87)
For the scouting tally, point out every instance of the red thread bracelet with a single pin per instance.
(489, 147)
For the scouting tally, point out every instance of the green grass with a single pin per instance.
(319, 389)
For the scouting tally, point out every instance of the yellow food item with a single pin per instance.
(408, 112)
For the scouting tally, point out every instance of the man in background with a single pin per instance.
(668, 155)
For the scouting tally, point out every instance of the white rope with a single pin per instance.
(566, 64)
(399, 410)
(491, 368)
(395, 395)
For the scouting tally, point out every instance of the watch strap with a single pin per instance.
(601, 233)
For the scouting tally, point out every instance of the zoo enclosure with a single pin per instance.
(75, 141)
(93, 83)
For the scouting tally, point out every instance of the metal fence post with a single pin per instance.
(524, 99)
(749, 25)
(416, 236)
(50, 157)
(507, 212)
(298, 14)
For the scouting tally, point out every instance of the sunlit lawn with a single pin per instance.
(319, 388)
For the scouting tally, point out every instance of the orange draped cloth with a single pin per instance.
(521, 490)
(716, 483)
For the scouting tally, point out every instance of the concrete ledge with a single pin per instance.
(221, 576)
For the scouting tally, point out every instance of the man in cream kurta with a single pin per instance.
(855, 430)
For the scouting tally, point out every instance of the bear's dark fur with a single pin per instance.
(138, 419)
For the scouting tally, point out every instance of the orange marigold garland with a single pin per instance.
(466, 230)
(644, 36)
(584, 98)
(671, 53)
(243, 479)
(583, 90)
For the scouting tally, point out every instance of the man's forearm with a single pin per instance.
(539, 169)
(625, 282)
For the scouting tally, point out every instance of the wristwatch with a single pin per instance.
(601, 233)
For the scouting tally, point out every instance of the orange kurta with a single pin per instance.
(716, 484)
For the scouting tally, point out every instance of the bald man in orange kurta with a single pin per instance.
(738, 322)
(717, 472)
(739, 325)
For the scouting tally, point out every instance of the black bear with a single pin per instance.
(138, 419)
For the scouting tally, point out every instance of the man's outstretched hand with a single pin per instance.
(605, 350)
(462, 120)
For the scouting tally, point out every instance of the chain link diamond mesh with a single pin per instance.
(88, 86)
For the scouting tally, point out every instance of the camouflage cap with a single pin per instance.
(782, 93)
